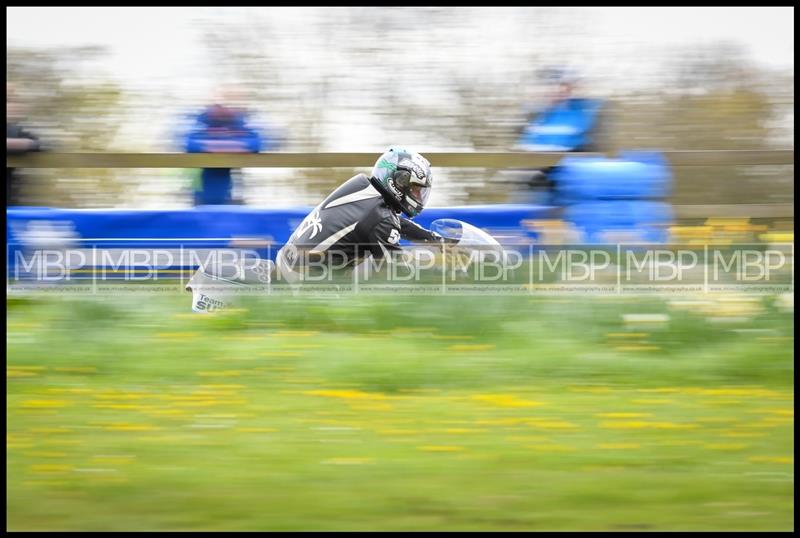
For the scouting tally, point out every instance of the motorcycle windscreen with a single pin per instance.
(466, 234)
(471, 240)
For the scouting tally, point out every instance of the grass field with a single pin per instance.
(380, 413)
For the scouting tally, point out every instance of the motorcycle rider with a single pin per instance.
(361, 218)
(364, 216)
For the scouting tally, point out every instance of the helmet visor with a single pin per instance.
(419, 193)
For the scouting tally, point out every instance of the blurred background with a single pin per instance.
(361, 79)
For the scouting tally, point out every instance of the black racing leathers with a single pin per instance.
(352, 223)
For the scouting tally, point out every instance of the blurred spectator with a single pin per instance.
(564, 123)
(223, 127)
(18, 141)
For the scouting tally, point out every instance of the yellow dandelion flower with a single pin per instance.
(44, 404)
(504, 400)
(348, 394)
(48, 468)
(772, 459)
(471, 347)
(623, 415)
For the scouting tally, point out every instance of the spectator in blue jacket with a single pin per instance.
(222, 128)
(564, 124)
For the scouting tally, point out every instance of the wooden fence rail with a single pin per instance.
(353, 160)
(495, 160)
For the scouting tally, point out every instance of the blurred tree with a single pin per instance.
(73, 107)
(711, 97)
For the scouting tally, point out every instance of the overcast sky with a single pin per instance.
(146, 45)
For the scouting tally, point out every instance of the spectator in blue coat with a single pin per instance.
(564, 124)
(223, 128)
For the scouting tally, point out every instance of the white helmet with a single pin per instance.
(404, 179)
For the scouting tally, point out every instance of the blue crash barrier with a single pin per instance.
(32, 224)
(89, 231)
(116, 232)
